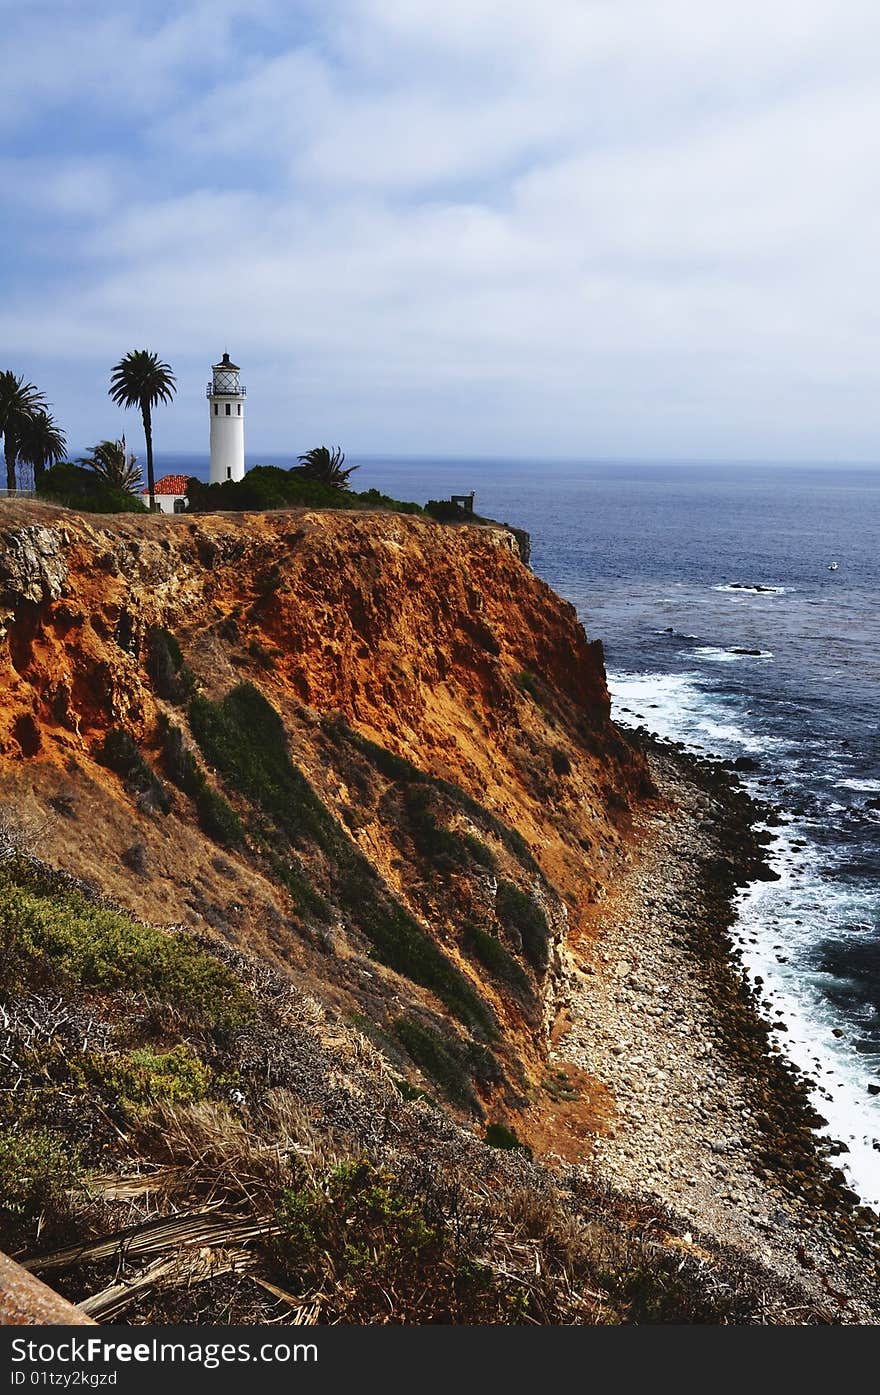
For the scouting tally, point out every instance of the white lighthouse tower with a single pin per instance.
(226, 406)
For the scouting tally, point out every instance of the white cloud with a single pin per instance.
(600, 228)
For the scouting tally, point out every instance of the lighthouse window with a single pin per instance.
(229, 472)
(228, 409)
(216, 410)
(238, 409)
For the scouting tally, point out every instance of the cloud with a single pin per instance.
(455, 226)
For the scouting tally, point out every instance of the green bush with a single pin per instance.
(499, 1136)
(379, 1249)
(492, 954)
(217, 818)
(434, 841)
(402, 944)
(528, 683)
(271, 487)
(44, 929)
(438, 1058)
(119, 752)
(444, 511)
(142, 1078)
(85, 490)
(37, 1170)
(243, 737)
(521, 915)
(403, 772)
(171, 678)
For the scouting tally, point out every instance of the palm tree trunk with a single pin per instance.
(148, 436)
(10, 450)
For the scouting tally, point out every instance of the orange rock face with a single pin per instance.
(437, 643)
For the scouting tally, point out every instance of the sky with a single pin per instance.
(588, 228)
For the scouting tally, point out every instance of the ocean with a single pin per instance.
(725, 627)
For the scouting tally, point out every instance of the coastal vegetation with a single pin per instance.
(243, 739)
(115, 465)
(141, 379)
(171, 1096)
(83, 489)
(326, 467)
(30, 434)
(271, 487)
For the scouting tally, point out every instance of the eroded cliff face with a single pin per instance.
(405, 732)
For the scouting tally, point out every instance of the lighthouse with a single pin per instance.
(226, 406)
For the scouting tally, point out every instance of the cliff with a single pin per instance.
(372, 749)
(322, 869)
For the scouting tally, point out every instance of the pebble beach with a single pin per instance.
(711, 1117)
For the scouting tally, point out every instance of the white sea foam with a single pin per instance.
(860, 786)
(676, 706)
(740, 589)
(729, 656)
(785, 919)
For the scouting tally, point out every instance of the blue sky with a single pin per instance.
(588, 228)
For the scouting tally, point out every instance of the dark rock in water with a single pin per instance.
(747, 586)
(766, 874)
(873, 803)
(755, 653)
(745, 763)
(874, 1089)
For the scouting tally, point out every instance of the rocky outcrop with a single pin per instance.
(431, 645)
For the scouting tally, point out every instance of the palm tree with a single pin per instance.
(326, 467)
(141, 379)
(19, 402)
(110, 459)
(41, 443)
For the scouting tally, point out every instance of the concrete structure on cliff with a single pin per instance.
(226, 398)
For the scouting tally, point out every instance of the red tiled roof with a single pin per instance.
(170, 484)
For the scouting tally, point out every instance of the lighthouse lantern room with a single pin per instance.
(226, 405)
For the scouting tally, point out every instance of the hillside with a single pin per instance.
(308, 822)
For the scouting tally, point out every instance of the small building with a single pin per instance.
(465, 502)
(170, 494)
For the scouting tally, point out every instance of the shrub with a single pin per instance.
(528, 683)
(243, 737)
(271, 487)
(438, 1058)
(402, 944)
(403, 772)
(521, 915)
(142, 1078)
(85, 490)
(492, 954)
(37, 1170)
(216, 815)
(135, 859)
(434, 841)
(57, 930)
(378, 1249)
(171, 678)
(120, 754)
(560, 761)
(499, 1136)
(444, 511)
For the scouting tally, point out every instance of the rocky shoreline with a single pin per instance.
(712, 1118)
